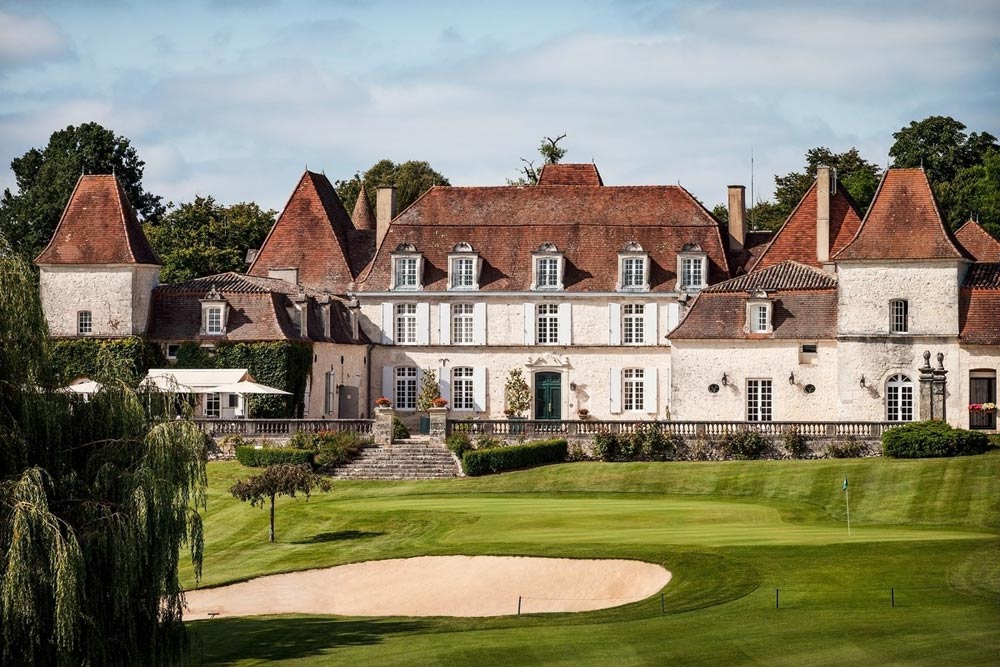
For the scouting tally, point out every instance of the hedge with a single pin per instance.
(930, 439)
(105, 360)
(252, 457)
(497, 459)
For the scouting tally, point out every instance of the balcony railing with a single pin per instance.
(591, 427)
(262, 428)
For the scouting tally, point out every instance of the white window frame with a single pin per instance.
(760, 400)
(547, 323)
(463, 268)
(463, 324)
(685, 281)
(405, 324)
(405, 387)
(900, 403)
(213, 406)
(633, 390)
(633, 281)
(759, 314)
(407, 270)
(633, 324)
(899, 316)
(463, 388)
(216, 327)
(546, 254)
(176, 348)
(84, 322)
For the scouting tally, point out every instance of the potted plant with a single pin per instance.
(439, 402)
(518, 398)
(583, 413)
(429, 392)
(383, 402)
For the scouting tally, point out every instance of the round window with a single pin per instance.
(713, 389)
(810, 388)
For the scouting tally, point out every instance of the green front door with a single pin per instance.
(548, 396)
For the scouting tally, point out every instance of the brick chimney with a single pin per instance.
(385, 210)
(737, 217)
(823, 214)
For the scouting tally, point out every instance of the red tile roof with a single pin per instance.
(315, 235)
(98, 226)
(362, 216)
(569, 174)
(903, 222)
(788, 275)
(979, 315)
(978, 242)
(796, 239)
(984, 274)
(806, 315)
(589, 224)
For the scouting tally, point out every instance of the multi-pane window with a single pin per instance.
(899, 399)
(633, 273)
(84, 322)
(462, 393)
(406, 272)
(213, 324)
(406, 323)
(899, 316)
(213, 404)
(633, 324)
(759, 401)
(548, 323)
(463, 274)
(462, 324)
(758, 319)
(548, 271)
(633, 388)
(692, 274)
(406, 388)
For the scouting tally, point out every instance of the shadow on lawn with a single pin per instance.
(227, 641)
(338, 536)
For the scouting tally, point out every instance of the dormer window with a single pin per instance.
(759, 311)
(214, 313)
(633, 268)
(548, 268)
(463, 267)
(899, 316)
(692, 268)
(407, 268)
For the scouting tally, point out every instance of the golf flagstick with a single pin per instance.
(847, 498)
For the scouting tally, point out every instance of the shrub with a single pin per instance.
(399, 430)
(459, 443)
(847, 449)
(234, 440)
(796, 444)
(646, 443)
(931, 438)
(498, 459)
(488, 442)
(606, 446)
(253, 457)
(744, 444)
(334, 448)
(303, 440)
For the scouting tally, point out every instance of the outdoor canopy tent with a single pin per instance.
(194, 380)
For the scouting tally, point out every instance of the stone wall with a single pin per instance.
(118, 298)
(348, 363)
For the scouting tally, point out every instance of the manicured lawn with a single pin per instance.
(731, 533)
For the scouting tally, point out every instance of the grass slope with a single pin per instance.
(730, 532)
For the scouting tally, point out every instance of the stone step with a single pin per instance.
(415, 458)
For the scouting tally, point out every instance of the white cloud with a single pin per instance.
(25, 40)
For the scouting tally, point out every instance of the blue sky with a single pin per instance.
(233, 99)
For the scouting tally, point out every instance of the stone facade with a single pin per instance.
(338, 384)
(118, 298)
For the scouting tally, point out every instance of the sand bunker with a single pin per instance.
(437, 586)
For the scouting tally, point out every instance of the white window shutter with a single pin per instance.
(666, 384)
(423, 323)
(673, 315)
(529, 324)
(650, 385)
(444, 383)
(444, 323)
(615, 390)
(565, 324)
(388, 386)
(479, 323)
(615, 323)
(479, 389)
(388, 323)
(649, 319)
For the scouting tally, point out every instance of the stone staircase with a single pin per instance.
(415, 458)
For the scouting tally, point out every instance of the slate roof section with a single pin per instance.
(796, 239)
(984, 275)
(978, 242)
(754, 245)
(797, 315)
(315, 235)
(589, 224)
(98, 226)
(789, 275)
(258, 311)
(570, 174)
(903, 222)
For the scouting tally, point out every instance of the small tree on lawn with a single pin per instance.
(283, 479)
(429, 390)
(518, 393)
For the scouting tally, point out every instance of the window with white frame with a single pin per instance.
(405, 271)
(463, 272)
(84, 322)
(462, 389)
(213, 405)
(633, 324)
(633, 389)
(462, 324)
(548, 272)
(213, 320)
(759, 400)
(759, 319)
(759, 310)
(899, 399)
(547, 331)
(899, 316)
(692, 272)
(406, 388)
(633, 273)
(406, 323)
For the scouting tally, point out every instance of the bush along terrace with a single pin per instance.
(497, 459)
(932, 438)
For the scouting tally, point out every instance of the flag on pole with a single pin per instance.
(845, 484)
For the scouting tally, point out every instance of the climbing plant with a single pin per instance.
(101, 360)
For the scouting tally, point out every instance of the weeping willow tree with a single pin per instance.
(97, 501)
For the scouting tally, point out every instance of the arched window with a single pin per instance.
(899, 399)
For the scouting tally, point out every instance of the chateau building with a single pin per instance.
(624, 302)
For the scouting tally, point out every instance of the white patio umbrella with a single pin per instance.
(81, 387)
(244, 387)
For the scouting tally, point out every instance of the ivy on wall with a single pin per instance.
(105, 360)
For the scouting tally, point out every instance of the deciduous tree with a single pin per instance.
(940, 145)
(411, 179)
(283, 479)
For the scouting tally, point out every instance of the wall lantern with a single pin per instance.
(791, 378)
(725, 380)
(862, 381)
(572, 386)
